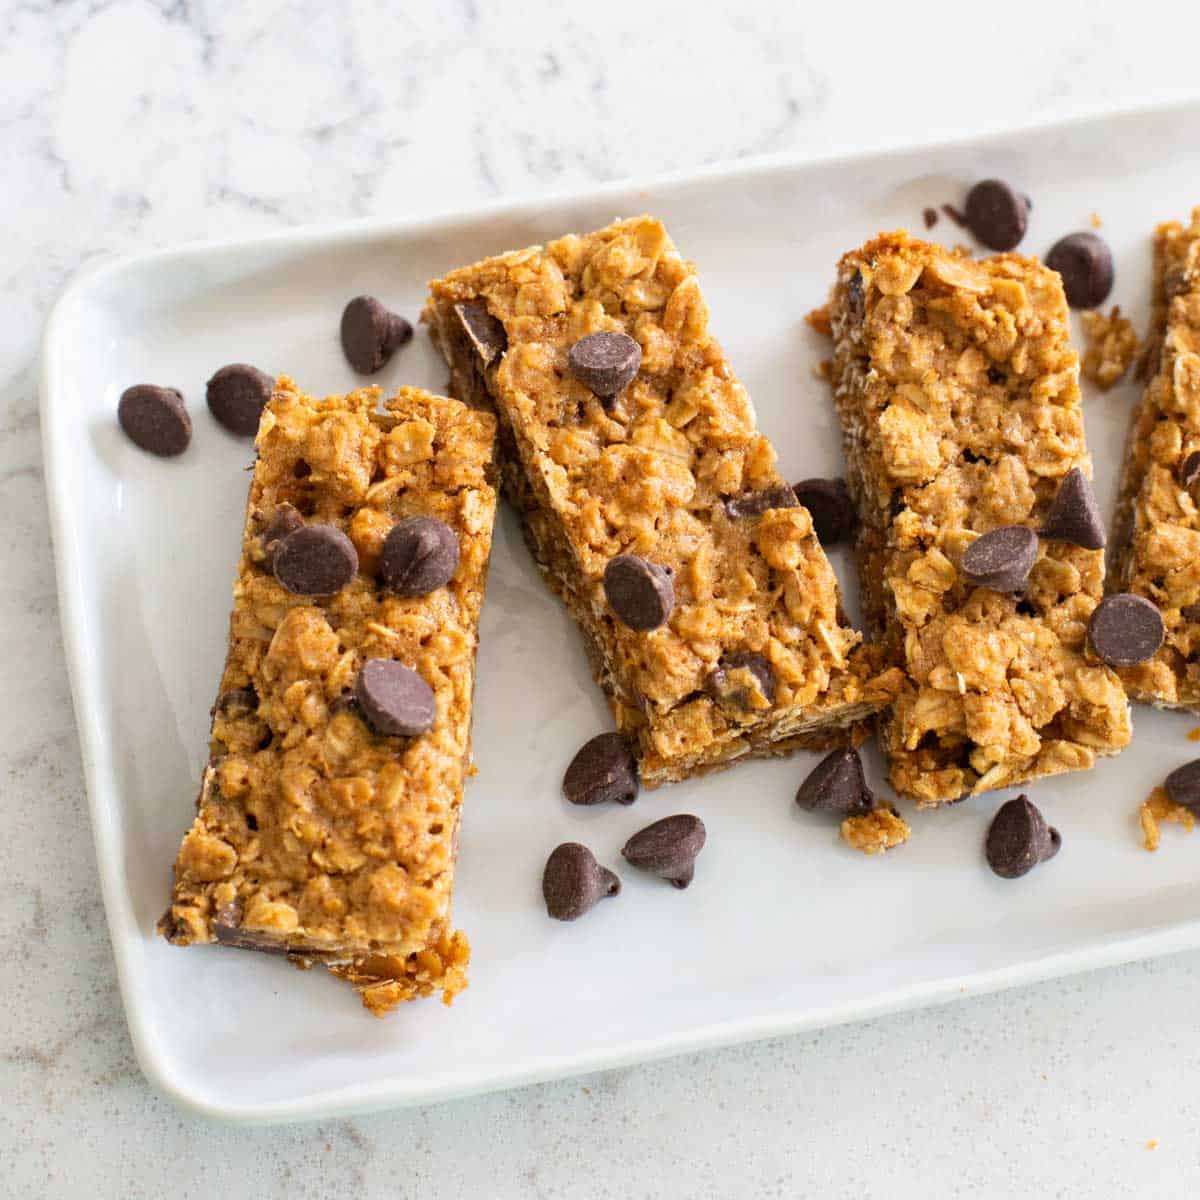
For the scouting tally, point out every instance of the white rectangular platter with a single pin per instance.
(784, 928)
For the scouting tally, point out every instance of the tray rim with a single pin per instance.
(1149, 942)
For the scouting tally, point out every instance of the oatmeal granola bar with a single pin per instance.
(652, 503)
(1156, 551)
(329, 808)
(958, 395)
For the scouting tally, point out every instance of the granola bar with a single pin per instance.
(652, 503)
(329, 808)
(1157, 543)
(958, 394)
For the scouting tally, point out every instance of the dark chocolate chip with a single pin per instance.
(155, 419)
(1085, 263)
(315, 560)
(605, 362)
(668, 848)
(856, 304)
(394, 699)
(639, 592)
(574, 882)
(743, 681)
(930, 217)
(1074, 515)
(1126, 630)
(371, 334)
(284, 520)
(420, 555)
(837, 785)
(1183, 785)
(1002, 559)
(996, 214)
(1191, 612)
(237, 702)
(754, 504)
(1189, 470)
(829, 504)
(237, 395)
(604, 769)
(1019, 838)
(484, 333)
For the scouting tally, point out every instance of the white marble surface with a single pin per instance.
(129, 124)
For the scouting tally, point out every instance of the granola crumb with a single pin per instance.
(1158, 809)
(876, 831)
(819, 320)
(1152, 1144)
(1095, 221)
(1112, 345)
(1194, 734)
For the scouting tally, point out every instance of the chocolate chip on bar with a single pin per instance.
(1126, 630)
(668, 848)
(829, 504)
(1019, 838)
(155, 419)
(754, 504)
(605, 362)
(1189, 470)
(237, 702)
(315, 560)
(1183, 785)
(996, 214)
(838, 785)
(371, 334)
(1074, 515)
(395, 700)
(1085, 263)
(236, 396)
(743, 681)
(483, 332)
(603, 769)
(574, 882)
(639, 592)
(1002, 559)
(420, 555)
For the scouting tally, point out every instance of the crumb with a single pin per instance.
(587, 1091)
(1045, 1077)
(1159, 808)
(818, 319)
(930, 217)
(1112, 345)
(955, 215)
(1152, 1144)
(823, 370)
(876, 831)
(1095, 221)
(1194, 734)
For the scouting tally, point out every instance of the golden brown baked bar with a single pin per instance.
(754, 656)
(1156, 545)
(958, 394)
(316, 836)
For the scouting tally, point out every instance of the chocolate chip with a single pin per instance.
(829, 504)
(930, 217)
(1189, 470)
(837, 785)
(574, 882)
(236, 397)
(284, 520)
(1085, 263)
(484, 333)
(316, 560)
(1183, 785)
(394, 699)
(1125, 630)
(639, 592)
(155, 419)
(420, 555)
(371, 334)
(1074, 515)
(605, 362)
(743, 681)
(603, 769)
(1018, 839)
(996, 214)
(1002, 559)
(237, 702)
(1191, 612)
(856, 303)
(668, 848)
(754, 504)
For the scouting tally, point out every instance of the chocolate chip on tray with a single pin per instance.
(316, 560)
(743, 680)
(1183, 785)
(1126, 630)
(1085, 263)
(639, 592)
(829, 504)
(394, 699)
(838, 785)
(996, 214)
(1019, 838)
(1074, 515)
(155, 419)
(605, 362)
(419, 555)
(603, 769)
(371, 334)
(1002, 559)
(573, 882)
(237, 395)
(483, 332)
(668, 848)
(930, 217)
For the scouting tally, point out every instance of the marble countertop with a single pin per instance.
(134, 123)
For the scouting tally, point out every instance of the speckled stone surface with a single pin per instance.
(130, 124)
